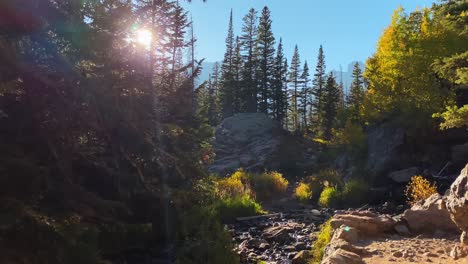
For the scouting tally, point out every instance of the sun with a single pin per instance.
(144, 37)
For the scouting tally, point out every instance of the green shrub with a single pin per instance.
(324, 178)
(330, 197)
(355, 192)
(330, 178)
(323, 238)
(268, 185)
(303, 192)
(202, 239)
(229, 208)
(235, 185)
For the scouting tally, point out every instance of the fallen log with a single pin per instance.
(247, 218)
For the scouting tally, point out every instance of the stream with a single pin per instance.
(280, 236)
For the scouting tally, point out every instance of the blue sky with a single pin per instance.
(347, 29)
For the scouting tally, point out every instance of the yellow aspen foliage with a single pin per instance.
(418, 189)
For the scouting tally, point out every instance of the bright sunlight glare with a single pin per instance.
(144, 37)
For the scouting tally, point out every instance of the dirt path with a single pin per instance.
(397, 249)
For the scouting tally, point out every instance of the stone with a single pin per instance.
(464, 238)
(315, 212)
(457, 202)
(256, 142)
(348, 234)
(264, 246)
(404, 176)
(341, 256)
(300, 246)
(365, 222)
(402, 230)
(290, 248)
(251, 243)
(428, 215)
(397, 254)
(279, 234)
(301, 257)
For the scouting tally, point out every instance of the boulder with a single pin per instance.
(245, 140)
(457, 202)
(404, 176)
(365, 222)
(341, 256)
(257, 143)
(301, 257)
(460, 153)
(346, 233)
(279, 234)
(429, 215)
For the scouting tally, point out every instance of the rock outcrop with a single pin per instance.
(430, 215)
(247, 140)
(366, 222)
(403, 176)
(457, 203)
(384, 143)
(256, 143)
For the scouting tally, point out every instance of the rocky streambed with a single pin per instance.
(277, 238)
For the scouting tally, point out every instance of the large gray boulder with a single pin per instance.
(457, 203)
(246, 140)
(255, 142)
(403, 176)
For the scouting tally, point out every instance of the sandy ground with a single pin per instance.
(396, 249)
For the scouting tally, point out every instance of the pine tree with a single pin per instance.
(294, 79)
(356, 93)
(286, 93)
(227, 75)
(177, 42)
(249, 47)
(304, 95)
(214, 111)
(266, 53)
(238, 99)
(331, 99)
(279, 99)
(317, 90)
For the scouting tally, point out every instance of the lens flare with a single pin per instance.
(144, 37)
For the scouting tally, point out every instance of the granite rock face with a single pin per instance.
(457, 203)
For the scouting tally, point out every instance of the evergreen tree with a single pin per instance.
(279, 99)
(227, 75)
(317, 90)
(238, 99)
(304, 95)
(294, 79)
(286, 93)
(356, 93)
(249, 47)
(177, 41)
(214, 111)
(266, 59)
(331, 99)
